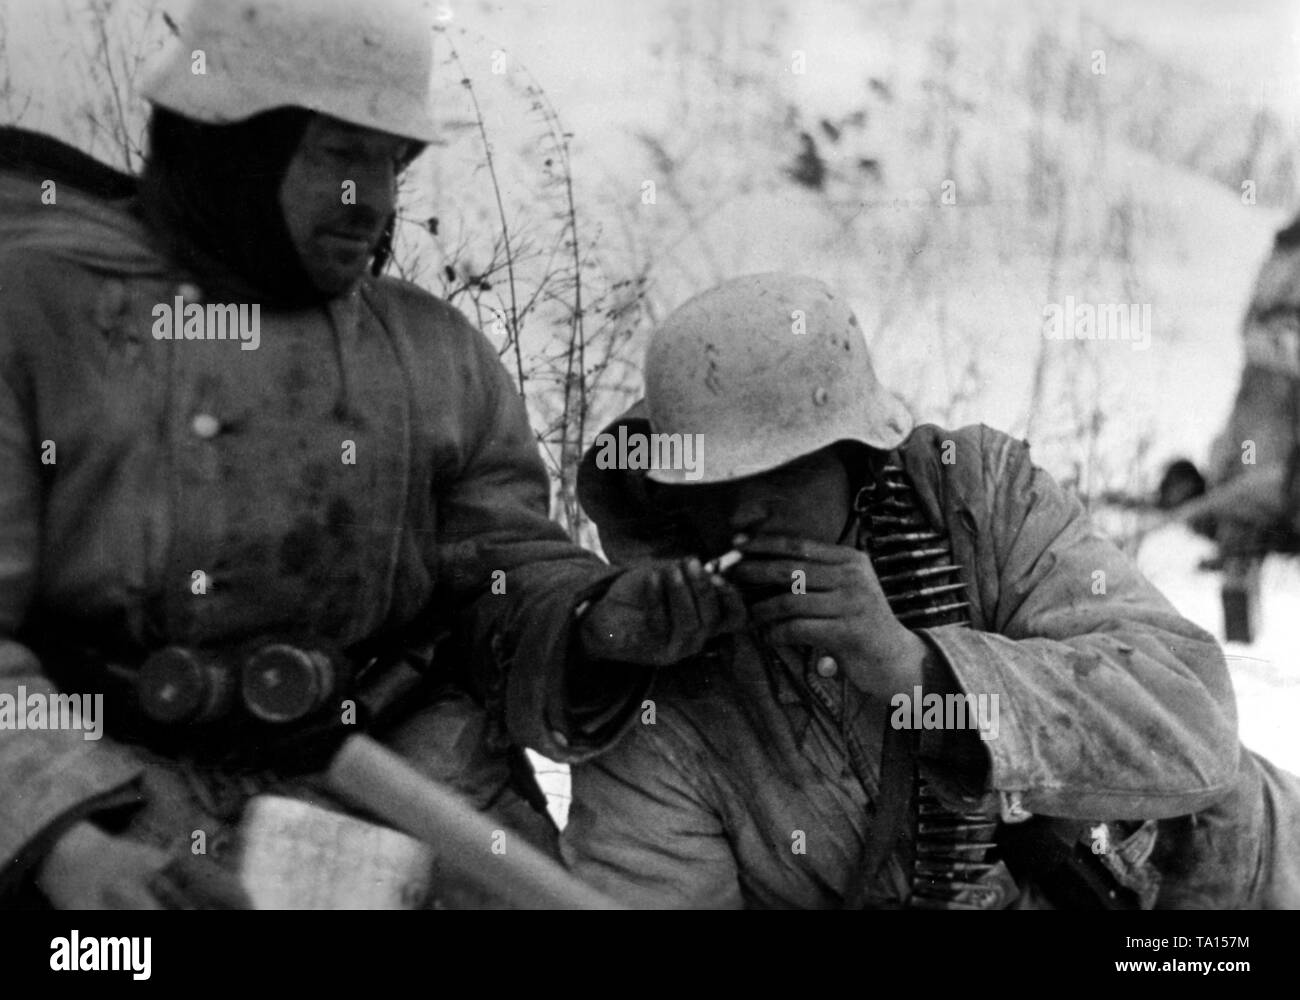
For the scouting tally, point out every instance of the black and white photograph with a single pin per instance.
(656, 455)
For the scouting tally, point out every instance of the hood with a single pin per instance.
(95, 222)
(616, 500)
(90, 221)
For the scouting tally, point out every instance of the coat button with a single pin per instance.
(205, 425)
(560, 739)
(827, 667)
(189, 291)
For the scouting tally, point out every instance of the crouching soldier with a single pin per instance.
(945, 690)
(240, 545)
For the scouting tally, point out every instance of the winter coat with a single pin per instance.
(1263, 428)
(367, 466)
(735, 788)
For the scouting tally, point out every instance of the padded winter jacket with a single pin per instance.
(734, 788)
(369, 465)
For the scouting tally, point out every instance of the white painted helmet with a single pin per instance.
(768, 368)
(366, 62)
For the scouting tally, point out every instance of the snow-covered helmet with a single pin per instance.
(367, 63)
(768, 368)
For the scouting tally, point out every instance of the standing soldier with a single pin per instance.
(1253, 505)
(246, 482)
(951, 691)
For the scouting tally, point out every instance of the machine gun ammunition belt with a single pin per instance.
(925, 589)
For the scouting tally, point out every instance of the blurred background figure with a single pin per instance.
(1252, 507)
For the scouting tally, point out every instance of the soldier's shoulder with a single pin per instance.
(436, 330)
(418, 304)
(29, 269)
(39, 286)
(61, 266)
(975, 461)
(971, 442)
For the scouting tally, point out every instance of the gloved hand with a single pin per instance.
(88, 869)
(659, 613)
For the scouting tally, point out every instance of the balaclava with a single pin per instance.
(211, 193)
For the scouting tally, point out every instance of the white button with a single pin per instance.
(189, 291)
(827, 667)
(205, 425)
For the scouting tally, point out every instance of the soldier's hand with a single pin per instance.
(88, 869)
(828, 597)
(660, 613)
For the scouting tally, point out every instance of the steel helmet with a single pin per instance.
(367, 63)
(767, 368)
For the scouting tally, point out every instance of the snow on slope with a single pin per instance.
(703, 101)
(1265, 673)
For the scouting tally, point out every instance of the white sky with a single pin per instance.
(588, 46)
(1249, 45)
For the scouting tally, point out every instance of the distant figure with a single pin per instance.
(1263, 430)
(1252, 486)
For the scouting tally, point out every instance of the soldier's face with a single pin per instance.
(337, 193)
(807, 498)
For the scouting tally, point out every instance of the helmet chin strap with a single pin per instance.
(860, 498)
(857, 511)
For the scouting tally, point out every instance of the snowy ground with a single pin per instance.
(1266, 673)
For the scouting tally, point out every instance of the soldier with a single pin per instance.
(1263, 429)
(235, 535)
(951, 691)
(1252, 507)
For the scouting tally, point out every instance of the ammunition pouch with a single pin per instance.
(283, 701)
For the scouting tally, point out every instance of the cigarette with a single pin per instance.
(724, 562)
